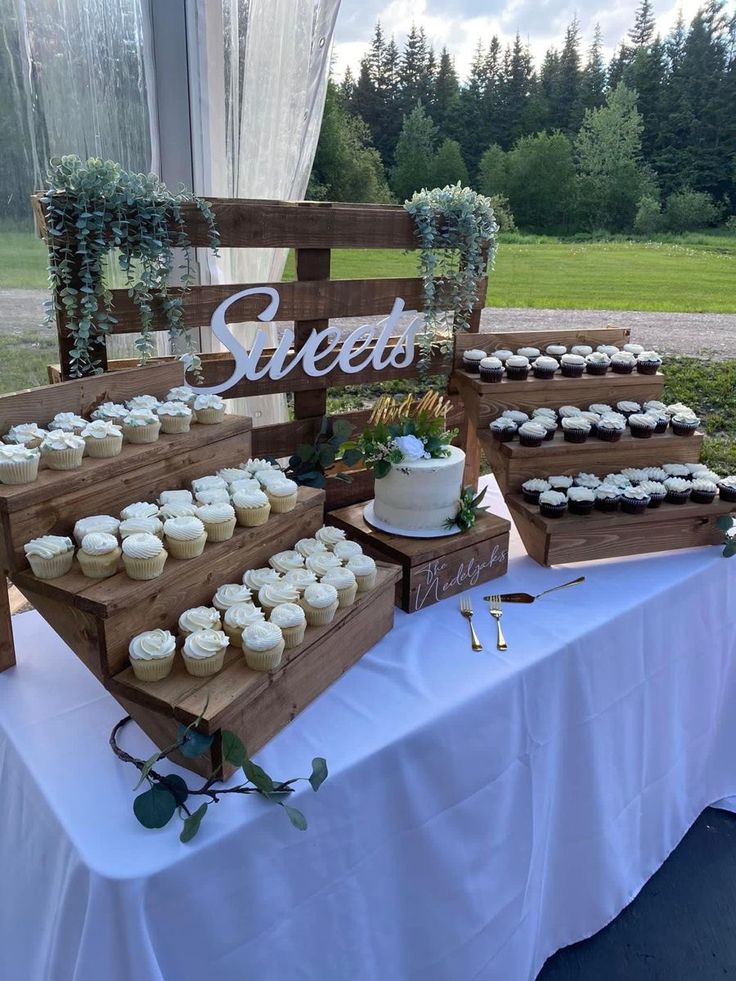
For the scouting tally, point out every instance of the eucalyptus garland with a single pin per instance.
(98, 213)
(456, 230)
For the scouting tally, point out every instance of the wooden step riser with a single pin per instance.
(513, 463)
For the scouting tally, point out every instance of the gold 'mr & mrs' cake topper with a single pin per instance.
(387, 410)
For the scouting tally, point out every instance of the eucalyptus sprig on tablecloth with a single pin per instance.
(456, 230)
(168, 794)
(97, 213)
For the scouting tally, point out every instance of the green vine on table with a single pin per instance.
(468, 511)
(169, 794)
(727, 524)
(98, 213)
(457, 234)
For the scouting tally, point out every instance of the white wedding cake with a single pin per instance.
(421, 495)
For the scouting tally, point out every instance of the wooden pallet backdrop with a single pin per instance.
(312, 230)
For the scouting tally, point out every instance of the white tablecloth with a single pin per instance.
(482, 810)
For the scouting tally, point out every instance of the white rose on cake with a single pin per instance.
(411, 447)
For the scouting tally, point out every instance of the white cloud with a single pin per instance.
(541, 24)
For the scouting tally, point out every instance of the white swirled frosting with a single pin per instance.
(101, 429)
(181, 393)
(110, 410)
(256, 464)
(320, 596)
(212, 495)
(241, 614)
(141, 417)
(249, 499)
(173, 409)
(308, 546)
(185, 529)
(208, 482)
(275, 593)
(96, 522)
(152, 644)
(140, 526)
(142, 546)
(329, 536)
(17, 453)
(205, 643)
(301, 578)
(339, 578)
(142, 402)
(139, 509)
(261, 636)
(361, 565)
(216, 513)
(209, 402)
(24, 432)
(282, 488)
(255, 578)
(321, 562)
(231, 474)
(99, 543)
(67, 421)
(345, 550)
(288, 559)
(200, 618)
(231, 593)
(48, 546)
(60, 439)
(175, 497)
(287, 615)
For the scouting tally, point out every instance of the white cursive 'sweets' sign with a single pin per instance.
(367, 346)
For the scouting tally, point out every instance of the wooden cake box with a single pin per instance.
(433, 568)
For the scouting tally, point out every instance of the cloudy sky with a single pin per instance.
(459, 24)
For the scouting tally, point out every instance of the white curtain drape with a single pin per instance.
(258, 75)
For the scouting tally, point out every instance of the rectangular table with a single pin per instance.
(482, 810)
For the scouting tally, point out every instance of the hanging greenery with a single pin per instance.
(98, 213)
(457, 235)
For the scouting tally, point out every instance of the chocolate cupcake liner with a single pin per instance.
(631, 507)
(517, 374)
(570, 436)
(727, 494)
(680, 430)
(63, 459)
(641, 432)
(172, 425)
(52, 568)
(252, 517)
(99, 566)
(647, 369)
(655, 502)
(153, 669)
(103, 449)
(572, 371)
(622, 369)
(503, 435)
(491, 376)
(552, 510)
(609, 435)
(678, 497)
(20, 472)
(145, 568)
(543, 373)
(596, 369)
(204, 667)
(530, 440)
(531, 497)
(280, 505)
(580, 507)
(702, 497)
(294, 636)
(264, 660)
(318, 617)
(661, 427)
(220, 531)
(209, 417)
(142, 434)
(186, 549)
(607, 507)
(472, 366)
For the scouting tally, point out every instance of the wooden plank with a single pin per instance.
(484, 401)
(322, 299)
(513, 463)
(84, 394)
(495, 340)
(257, 224)
(581, 538)
(7, 645)
(311, 264)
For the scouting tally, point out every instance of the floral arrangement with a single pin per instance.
(468, 510)
(98, 213)
(405, 431)
(457, 231)
(727, 524)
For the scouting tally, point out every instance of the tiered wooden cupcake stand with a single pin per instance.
(577, 538)
(97, 618)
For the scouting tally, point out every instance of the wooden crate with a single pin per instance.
(433, 568)
(256, 704)
(581, 538)
(513, 463)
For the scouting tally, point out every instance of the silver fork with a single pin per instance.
(496, 612)
(466, 608)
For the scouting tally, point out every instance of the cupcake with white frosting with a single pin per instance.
(263, 646)
(26, 434)
(703, 490)
(229, 594)
(231, 475)
(491, 369)
(99, 555)
(175, 417)
(364, 569)
(185, 537)
(329, 535)
(113, 412)
(142, 526)
(517, 367)
(255, 578)
(104, 523)
(648, 363)
(608, 349)
(503, 354)
(503, 429)
(144, 556)
(142, 402)
(238, 617)
(580, 500)
(244, 484)
(252, 508)
(102, 439)
(207, 482)
(50, 556)
(552, 503)
(532, 488)
(152, 654)
(322, 562)
(62, 450)
(623, 363)
(344, 581)
(347, 549)
(273, 594)
(139, 509)
(204, 652)
(212, 495)
(320, 604)
(532, 433)
(642, 425)
(581, 349)
(291, 619)
(300, 578)
(255, 464)
(678, 490)
(634, 500)
(556, 350)
(199, 618)
(572, 365)
(141, 426)
(308, 546)
(288, 559)
(68, 422)
(597, 363)
(607, 498)
(544, 366)
(175, 497)
(657, 492)
(176, 509)
(529, 352)
(209, 409)
(266, 477)
(282, 495)
(181, 393)
(218, 520)
(18, 464)
(472, 359)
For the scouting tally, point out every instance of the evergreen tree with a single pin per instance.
(645, 75)
(642, 33)
(472, 111)
(617, 66)
(347, 87)
(414, 154)
(514, 91)
(445, 106)
(548, 86)
(376, 93)
(567, 108)
(593, 82)
(414, 70)
(492, 94)
(448, 166)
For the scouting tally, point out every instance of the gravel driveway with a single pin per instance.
(711, 334)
